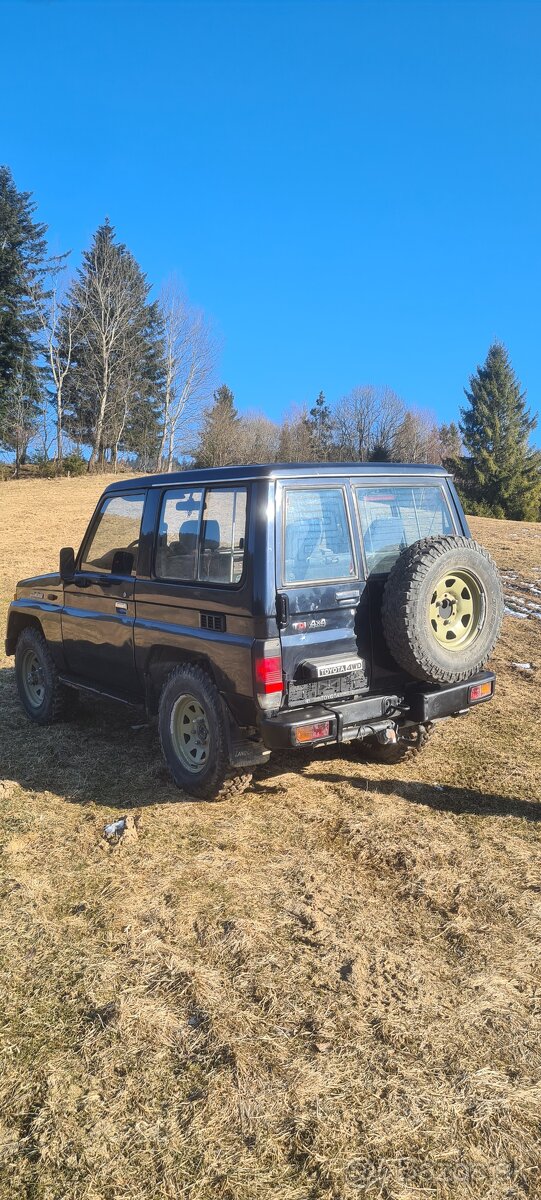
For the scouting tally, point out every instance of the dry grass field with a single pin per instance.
(326, 989)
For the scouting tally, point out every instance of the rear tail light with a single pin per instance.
(480, 691)
(268, 677)
(311, 733)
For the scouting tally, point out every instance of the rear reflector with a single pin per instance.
(312, 733)
(480, 691)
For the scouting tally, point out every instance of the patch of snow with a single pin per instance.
(512, 612)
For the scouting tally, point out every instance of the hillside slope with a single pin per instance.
(326, 988)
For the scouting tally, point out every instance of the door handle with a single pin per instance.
(282, 608)
(120, 606)
(348, 597)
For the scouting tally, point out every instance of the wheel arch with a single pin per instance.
(16, 623)
(163, 660)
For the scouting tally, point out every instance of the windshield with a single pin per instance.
(395, 517)
(317, 536)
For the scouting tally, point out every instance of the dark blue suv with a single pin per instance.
(263, 607)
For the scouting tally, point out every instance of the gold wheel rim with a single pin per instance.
(457, 609)
(190, 733)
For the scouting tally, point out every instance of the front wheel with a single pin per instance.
(43, 698)
(193, 735)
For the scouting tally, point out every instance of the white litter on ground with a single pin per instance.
(116, 828)
(522, 666)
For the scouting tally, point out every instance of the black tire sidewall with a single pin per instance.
(470, 658)
(32, 639)
(193, 681)
(406, 609)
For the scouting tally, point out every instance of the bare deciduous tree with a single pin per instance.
(295, 441)
(366, 419)
(257, 438)
(58, 350)
(417, 439)
(23, 415)
(190, 351)
(108, 306)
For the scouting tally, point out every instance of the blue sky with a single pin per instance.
(351, 190)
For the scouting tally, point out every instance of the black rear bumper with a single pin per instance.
(419, 704)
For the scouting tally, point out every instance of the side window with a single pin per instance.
(317, 537)
(222, 536)
(202, 538)
(178, 535)
(115, 539)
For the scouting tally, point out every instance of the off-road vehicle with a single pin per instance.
(254, 608)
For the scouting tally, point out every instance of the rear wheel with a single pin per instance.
(194, 736)
(43, 698)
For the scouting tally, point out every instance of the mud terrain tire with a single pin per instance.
(442, 609)
(44, 699)
(194, 736)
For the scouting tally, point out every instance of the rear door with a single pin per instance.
(393, 513)
(321, 587)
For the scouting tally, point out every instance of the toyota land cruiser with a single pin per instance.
(253, 608)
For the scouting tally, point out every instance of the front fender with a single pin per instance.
(45, 614)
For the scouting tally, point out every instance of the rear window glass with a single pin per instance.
(394, 517)
(317, 537)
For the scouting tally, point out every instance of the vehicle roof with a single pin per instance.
(275, 471)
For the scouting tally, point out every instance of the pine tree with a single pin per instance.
(502, 475)
(450, 445)
(380, 452)
(321, 430)
(219, 437)
(23, 268)
(117, 353)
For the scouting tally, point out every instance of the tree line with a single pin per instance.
(94, 373)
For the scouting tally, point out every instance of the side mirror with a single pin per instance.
(67, 564)
(122, 563)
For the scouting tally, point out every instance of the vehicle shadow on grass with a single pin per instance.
(109, 754)
(448, 798)
(105, 753)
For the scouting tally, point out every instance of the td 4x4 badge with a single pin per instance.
(302, 626)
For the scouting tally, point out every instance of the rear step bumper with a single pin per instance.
(419, 704)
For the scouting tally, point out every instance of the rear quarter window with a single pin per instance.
(395, 517)
(201, 535)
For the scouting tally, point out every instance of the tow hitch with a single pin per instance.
(387, 736)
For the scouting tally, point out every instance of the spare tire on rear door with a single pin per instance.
(442, 609)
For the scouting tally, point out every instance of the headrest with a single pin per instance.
(211, 535)
(187, 537)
